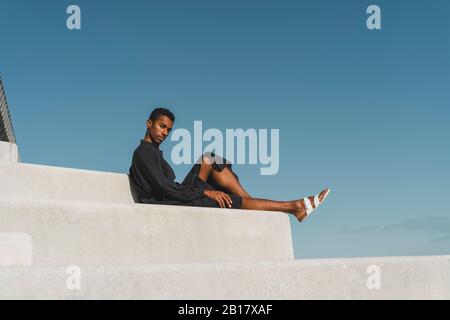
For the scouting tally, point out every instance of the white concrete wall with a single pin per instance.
(66, 232)
(20, 180)
(16, 249)
(8, 153)
(400, 278)
(51, 218)
(88, 217)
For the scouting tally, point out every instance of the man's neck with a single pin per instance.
(148, 139)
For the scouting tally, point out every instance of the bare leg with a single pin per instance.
(296, 207)
(225, 178)
(228, 180)
(271, 205)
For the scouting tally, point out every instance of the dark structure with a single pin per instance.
(6, 128)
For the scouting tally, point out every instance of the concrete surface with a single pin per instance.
(399, 278)
(65, 232)
(77, 234)
(20, 180)
(16, 249)
(8, 153)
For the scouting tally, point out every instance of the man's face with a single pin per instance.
(159, 129)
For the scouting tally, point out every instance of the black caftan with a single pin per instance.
(154, 180)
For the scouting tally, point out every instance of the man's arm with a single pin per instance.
(149, 166)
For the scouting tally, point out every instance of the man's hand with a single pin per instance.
(222, 199)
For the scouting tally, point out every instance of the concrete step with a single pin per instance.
(54, 232)
(20, 180)
(360, 278)
(8, 153)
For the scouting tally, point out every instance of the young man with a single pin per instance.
(210, 183)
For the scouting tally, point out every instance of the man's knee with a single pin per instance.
(205, 159)
(208, 158)
(214, 158)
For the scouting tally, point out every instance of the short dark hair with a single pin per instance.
(158, 112)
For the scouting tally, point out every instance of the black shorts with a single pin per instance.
(193, 180)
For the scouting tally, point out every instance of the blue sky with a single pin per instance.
(363, 112)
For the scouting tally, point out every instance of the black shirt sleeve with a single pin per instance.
(147, 164)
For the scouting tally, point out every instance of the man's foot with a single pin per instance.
(307, 205)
